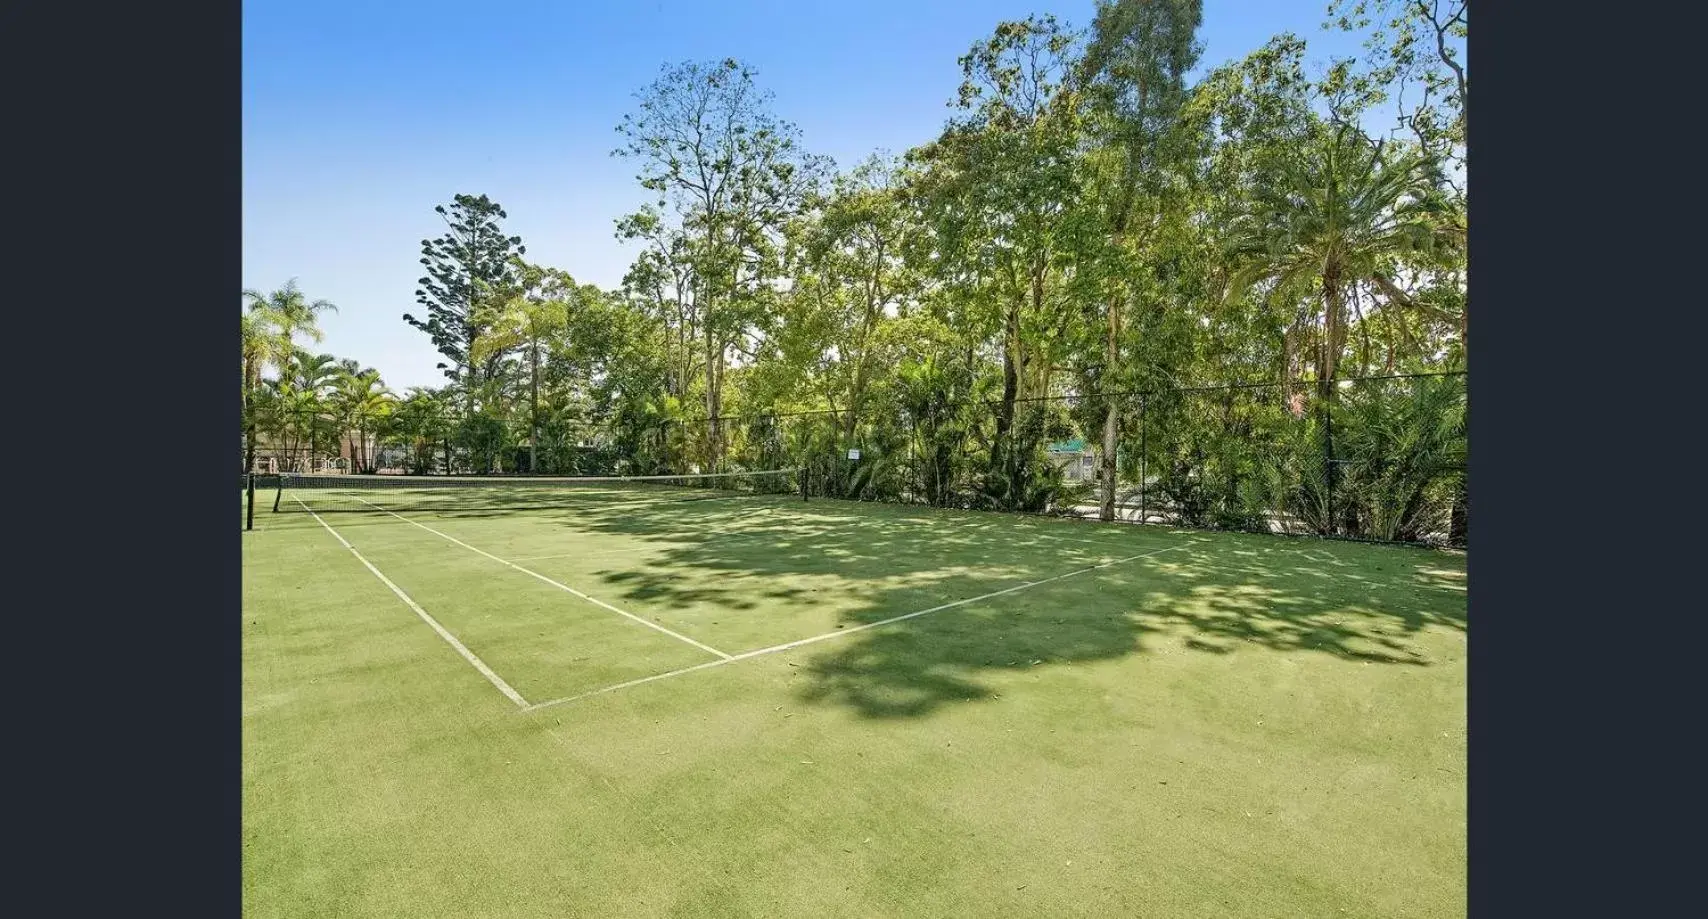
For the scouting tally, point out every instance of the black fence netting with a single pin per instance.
(1375, 458)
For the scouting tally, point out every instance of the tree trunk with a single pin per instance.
(249, 436)
(1111, 416)
(1325, 394)
(1010, 390)
(1333, 323)
(1465, 332)
(1459, 521)
(714, 402)
(857, 388)
(850, 418)
(248, 419)
(534, 412)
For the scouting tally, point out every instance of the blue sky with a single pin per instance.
(360, 116)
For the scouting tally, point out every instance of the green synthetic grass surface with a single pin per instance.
(1236, 726)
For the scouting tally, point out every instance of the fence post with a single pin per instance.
(249, 514)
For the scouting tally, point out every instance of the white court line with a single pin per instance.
(729, 536)
(725, 536)
(736, 534)
(1102, 544)
(564, 587)
(839, 632)
(468, 655)
(928, 522)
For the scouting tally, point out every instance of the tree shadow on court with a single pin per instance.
(1209, 593)
(927, 662)
(753, 554)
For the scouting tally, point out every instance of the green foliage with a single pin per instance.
(362, 405)
(1415, 55)
(1021, 476)
(938, 398)
(467, 268)
(1403, 448)
(296, 411)
(1296, 478)
(271, 323)
(1090, 237)
(728, 175)
(1337, 211)
(482, 438)
(420, 425)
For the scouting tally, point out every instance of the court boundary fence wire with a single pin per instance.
(1371, 458)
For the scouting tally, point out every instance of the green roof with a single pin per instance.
(1068, 446)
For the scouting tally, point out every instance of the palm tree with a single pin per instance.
(300, 402)
(1340, 211)
(1406, 449)
(261, 347)
(418, 423)
(271, 323)
(360, 399)
(293, 312)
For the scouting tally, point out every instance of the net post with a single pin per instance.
(249, 512)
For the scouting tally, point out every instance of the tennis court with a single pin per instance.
(716, 698)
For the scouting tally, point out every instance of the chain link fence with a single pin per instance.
(1378, 458)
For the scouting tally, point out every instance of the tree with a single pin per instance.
(1415, 55)
(1416, 46)
(471, 261)
(850, 277)
(1086, 226)
(271, 323)
(631, 359)
(537, 312)
(419, 424)
(1134, 72)
(296, 411)
(261, 346)
(361, 401)
(999, 188)
(730, 173)
(662, 283)
(1339, 211)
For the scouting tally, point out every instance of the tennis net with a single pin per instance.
(328, 493)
